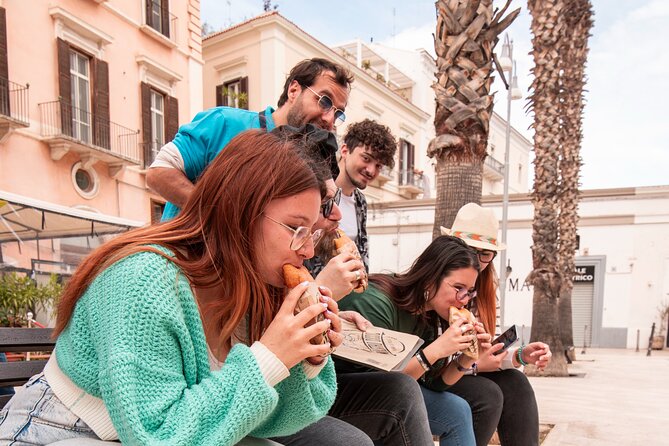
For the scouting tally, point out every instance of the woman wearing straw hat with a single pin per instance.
(500, 396)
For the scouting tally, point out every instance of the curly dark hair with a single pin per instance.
(306, 72)
(376, 137)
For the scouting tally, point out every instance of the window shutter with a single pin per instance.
(64, 87)
(165, 16)
(401, 174)
(220, 98)
(146, 122)
(172, 118)
(410, 174)
(149, 16)
(244, 88)
(101, 124)
(4, 65)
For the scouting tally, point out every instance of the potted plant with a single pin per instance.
(20, 294)
(659, 340)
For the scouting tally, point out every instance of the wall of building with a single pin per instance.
(115, 32)
(624, 231)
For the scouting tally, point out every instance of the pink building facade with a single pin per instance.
(89, 91)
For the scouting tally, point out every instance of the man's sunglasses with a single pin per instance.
(325, 103)
(326, 207)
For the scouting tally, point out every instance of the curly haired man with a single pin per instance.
(368, 147)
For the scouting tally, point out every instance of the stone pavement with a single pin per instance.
(622, 399)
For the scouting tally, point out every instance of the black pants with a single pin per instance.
(504, 401)
(371, 407)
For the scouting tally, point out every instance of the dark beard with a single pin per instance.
(325, 248)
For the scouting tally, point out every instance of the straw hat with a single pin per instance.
(477, 227)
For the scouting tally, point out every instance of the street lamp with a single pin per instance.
(513, 92)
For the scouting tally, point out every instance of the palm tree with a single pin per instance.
(573, 55)
(466, 34)
(546, 277)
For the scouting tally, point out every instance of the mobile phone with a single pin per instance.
(507, 338)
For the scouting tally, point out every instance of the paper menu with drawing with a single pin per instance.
(378, 348)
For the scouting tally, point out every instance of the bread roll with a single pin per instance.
(293, 276)
(344, 244)
(462, 313)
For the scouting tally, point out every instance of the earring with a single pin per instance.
(426, 295)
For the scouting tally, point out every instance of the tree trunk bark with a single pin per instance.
(458, 183)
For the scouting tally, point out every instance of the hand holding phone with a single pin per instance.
(507, 338)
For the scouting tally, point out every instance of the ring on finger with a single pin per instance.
(357, 275)
(463, 329)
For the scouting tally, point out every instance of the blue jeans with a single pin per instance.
(450, 418)
(36, 416)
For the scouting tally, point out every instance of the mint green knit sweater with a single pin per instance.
(136, 341)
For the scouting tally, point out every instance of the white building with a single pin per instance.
(623, 258)
(395, 66)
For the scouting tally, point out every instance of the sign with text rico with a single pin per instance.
(584, 274)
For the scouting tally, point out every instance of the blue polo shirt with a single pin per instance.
(207, 134)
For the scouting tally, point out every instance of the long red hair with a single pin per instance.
(486, 299)
(213, 237)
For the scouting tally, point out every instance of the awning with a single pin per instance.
(23, 218)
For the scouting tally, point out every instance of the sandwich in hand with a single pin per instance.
(293, 276)
(462, 313)
(344, 244)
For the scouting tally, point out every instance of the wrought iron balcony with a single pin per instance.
(69, 128)
(384, 176)
(493, 169)
(410, 183)
(13, 106)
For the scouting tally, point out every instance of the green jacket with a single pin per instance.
(382, 312)
(136, 341)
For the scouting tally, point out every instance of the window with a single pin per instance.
(83, 84)
(157, 122)
(158, 16)
(85, 180)
(157, 208)
(234, 93)
(160, 120)
(80, 84)
(406, 162)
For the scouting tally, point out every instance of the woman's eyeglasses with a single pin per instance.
(462, 293)
(326, 104)
(326, 208)
(486, 255)
(300, 235)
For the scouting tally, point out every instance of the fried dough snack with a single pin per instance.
(344, 244)
(293, 276)
(462, 313)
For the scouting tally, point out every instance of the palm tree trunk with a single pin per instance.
(573, 55)
(466, 35)
(457, 184)
(547, 23)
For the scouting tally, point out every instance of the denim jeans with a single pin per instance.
(36, 416)
(450, 418)
(371, 408)
(502, 400)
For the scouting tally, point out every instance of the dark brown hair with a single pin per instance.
(216, 231)
(443, 256)
(307, 71)
(376, 137)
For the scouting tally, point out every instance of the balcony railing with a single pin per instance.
(14, 101)
(60, 118)
(410, 178)
(494, 164)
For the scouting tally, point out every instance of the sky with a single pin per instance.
(624, 144)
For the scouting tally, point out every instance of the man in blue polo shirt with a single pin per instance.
(316, 91)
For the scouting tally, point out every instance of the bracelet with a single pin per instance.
(473, 369)
(519, 356)
(422, 360)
